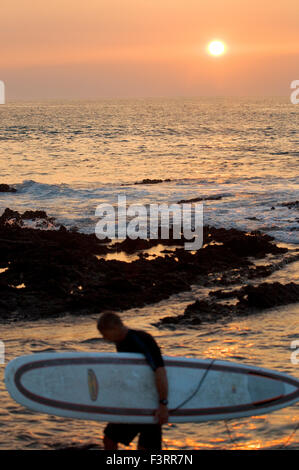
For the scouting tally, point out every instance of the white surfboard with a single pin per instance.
(120, 387)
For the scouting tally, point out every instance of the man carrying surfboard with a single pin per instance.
(126, 339)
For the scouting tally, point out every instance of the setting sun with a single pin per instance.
(216, 48)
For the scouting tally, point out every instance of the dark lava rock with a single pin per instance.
(53, 272)
(265, 295)
(36, 215)
(131, 246)
(199, 312)
(9, 214)
(14, 217)
(253, 244)
(154, 181)
(268, 295)
(5, 188)
(251, 300)
(291, 205)
(200, 198)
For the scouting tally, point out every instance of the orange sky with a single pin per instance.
(124, 48)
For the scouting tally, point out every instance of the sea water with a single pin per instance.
(68, 157)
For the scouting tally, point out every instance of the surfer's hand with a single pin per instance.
(162, 414)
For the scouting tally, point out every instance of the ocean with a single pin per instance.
(68, 157)
(240, 155)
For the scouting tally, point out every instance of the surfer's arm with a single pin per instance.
(161, 383)
(153, 355)
(162, 388)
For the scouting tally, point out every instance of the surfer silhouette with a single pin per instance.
(112, 328)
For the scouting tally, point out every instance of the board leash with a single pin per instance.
(283, 446)
(197, 388)
(232, 440)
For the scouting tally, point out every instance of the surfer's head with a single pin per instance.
(111, 327)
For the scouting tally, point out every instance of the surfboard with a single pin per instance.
(120, 387)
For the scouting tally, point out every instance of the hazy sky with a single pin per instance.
(140, 48)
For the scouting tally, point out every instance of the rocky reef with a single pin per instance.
(48, 271)
(251, 299)
(5, 188)
(149, 181)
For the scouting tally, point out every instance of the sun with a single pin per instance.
(216, 48)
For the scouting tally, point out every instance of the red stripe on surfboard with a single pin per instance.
(168, 363)
(143, 411)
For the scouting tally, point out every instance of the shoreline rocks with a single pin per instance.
(201, 198)
(5, 188)
(251, 299)
(291, 205)
(153, 181)
(45, 273)
(148, 181)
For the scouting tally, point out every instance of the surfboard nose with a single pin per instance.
(263, 389)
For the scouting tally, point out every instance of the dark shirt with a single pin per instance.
(137, 341)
